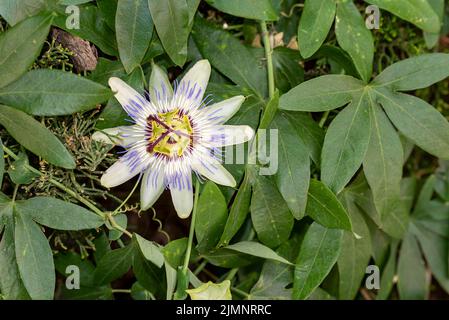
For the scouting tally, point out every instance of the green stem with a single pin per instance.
(14, 195)
(127, 198)
(323, 119)
(240, 292)
(268, 53)
(192, 229)
(59, 185)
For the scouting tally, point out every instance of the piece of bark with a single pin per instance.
(85, 55)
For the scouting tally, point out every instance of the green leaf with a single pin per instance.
(418, 121)
(221, 48)
(53, 93)
(211, 216)
(288, 71)
(108, 9)
(276, 276)
(35, 137)
(86, 267)
(435, 249)
(106, 69)
(20, 46)
(324, 207)
(174, 252)
(226, 258)
(250, 9)
(238, 213)
(14, 11)
(93, 27)
(114, 264)
(134, 29)
(293, 175)
(355, 38)
(113, 114)
(319, 252)
(413, 282)
(171, 19)
(321, 94)
(432, 38)
(309, 131)
(58, 214)
(150, 251)
(345, 144)
(383, 170)
(19, 172)
(270, 215)
(316, 21)
(34, 257)
(138, 292)
(2, 163)
(149, 276)
(11, 285)
(258, 250)
(414, 73)
(89, 293)
(418, 12)
(388, 274)
(355, 253)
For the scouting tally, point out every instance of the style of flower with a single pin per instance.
(174, 134)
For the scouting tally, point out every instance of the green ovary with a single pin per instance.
(171, 134)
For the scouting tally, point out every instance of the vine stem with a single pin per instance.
(59, 185)
(268, 56)
(81, 199)
(192, 229)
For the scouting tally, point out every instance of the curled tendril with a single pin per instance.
(159, 222)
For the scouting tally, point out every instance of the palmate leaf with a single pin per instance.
(20, 45)
(316, 21)
(318, 253)
(413, 282)
(346, 143)
(383, 170)
(222, 50)
(324, 207)
(34, 257)
(414, 73)
(271, 217)
(355, 38)
(35, 137)
(355, 252)
(93, 28)
(134, 29)
(418, 12)
(212, 214)
(58, 214)
(171, 19)
(321, 94)
(293, 175)
(418, 121)
(52, 93)
(250, 9)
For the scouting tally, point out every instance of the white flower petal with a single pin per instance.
(151, 188)
(161, 90)
(122, 136)
(136, 106)
(120, 172)
(214, 171)
(193, 85)
(182, 197)
(227, 135)
(221, 112)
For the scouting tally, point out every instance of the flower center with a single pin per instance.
(171, 133)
